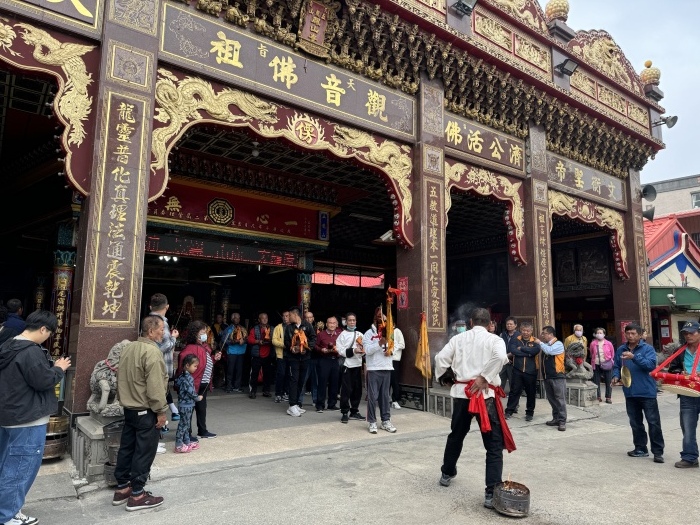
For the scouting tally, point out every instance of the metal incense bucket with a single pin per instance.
(511, 499)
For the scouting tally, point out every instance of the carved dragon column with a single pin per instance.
(424, 265)
(112, 231)
(631, 296)
(530, 286)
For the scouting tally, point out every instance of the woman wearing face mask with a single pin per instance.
(197, 346)
(602, 355)
(577, 337)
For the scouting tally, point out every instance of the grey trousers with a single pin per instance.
(378, 383)
(555, 389)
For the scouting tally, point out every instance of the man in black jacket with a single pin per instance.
(28, 379)
(525, 352)
(299, 340)
(14, 324)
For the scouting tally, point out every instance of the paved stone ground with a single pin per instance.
(267, 467)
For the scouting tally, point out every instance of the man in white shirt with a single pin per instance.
(399, 345)
(379, 367)
(350, 345)
(476, 358)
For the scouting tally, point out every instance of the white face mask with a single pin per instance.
(203, 338)
(600, 337)
(578, 333)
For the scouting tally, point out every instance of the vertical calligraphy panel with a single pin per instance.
(545, 298)
(119, 208)
(434, 255)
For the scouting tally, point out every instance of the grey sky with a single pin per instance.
(666, 33)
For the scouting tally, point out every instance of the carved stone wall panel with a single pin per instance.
(499, 187)
(433, 110)
(433, 160)
(588, 212)
(130, 66)
(141, 15)
(183, 101)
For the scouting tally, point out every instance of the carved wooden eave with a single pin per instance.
(393, 42)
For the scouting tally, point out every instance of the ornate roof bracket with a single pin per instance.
(585, 211)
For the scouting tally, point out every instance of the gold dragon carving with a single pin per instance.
(74, 104)
(519, 9)
(565, 205)
(605, 55)
(179, 102)
(486, 183)
(390, 157)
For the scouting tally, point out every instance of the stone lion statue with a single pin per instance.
(103, 384)
(575, 362)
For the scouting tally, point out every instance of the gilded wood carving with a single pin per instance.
(579, 209)
(180, 103)
(74, 104)
(381, 46)
(488, 184)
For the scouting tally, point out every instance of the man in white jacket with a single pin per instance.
(351, 375)
(399, 345)
(475, 355)
(379, 368)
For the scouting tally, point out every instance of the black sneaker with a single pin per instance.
(252, 395)
(552, 423)
(508, 415)
(488, 500)
(658, 459)
(319, 410)
(528, 418)
(636, 453)
(267, 394)
(333, 408)
(445, 480)
(207, 435)
(344, 419)
(357, 415)
(194, 438)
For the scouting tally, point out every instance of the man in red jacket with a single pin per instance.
(260, 341)
(327, 366)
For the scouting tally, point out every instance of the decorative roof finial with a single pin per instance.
(557, 10)
(650, 75)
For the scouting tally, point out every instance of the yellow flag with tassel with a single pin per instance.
(423, 353)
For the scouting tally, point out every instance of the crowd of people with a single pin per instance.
(476, 362)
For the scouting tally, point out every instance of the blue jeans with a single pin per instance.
(21, 450)
(690, 409)
(637, 409)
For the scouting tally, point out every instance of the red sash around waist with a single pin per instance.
(477, 406)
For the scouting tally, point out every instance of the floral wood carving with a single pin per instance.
(582, 210)
(488, 184)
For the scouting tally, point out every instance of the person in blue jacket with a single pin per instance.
(640, 359)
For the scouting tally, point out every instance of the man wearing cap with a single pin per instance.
(639, 359)
(690, 406)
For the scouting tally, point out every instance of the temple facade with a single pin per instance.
(241, 155)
